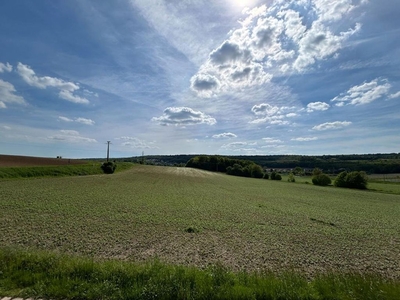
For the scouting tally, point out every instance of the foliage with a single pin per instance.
(109, 167)
(371, 163)
(353, 180)
(321, 179)
(266, 176)
(236, 167)
(51, 276)
(275, 176)
(291, 177)
(298, 171)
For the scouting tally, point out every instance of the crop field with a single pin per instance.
(192, 217)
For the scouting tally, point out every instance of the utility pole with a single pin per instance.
(108, 150)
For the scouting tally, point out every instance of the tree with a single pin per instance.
(298, 171)
(291, 177)
(108, 167)
(321, 179)
(340, 180)
(352, 180)
(275, 176)
(256, 171)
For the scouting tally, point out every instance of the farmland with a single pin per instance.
(191, 217)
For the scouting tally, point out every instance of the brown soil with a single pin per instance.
(30, 161)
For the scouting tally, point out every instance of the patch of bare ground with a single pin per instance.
(191, 172)
(31, 161)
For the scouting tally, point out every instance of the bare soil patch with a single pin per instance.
(31, 161)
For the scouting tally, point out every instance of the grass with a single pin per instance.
(42, 274)
(191, 221)
(57, 171)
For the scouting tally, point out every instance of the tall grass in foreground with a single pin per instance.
(58, 171)
(40, 274)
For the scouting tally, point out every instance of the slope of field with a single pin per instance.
(193, 217)
(30, 161)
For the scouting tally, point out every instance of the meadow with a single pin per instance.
(196, 219)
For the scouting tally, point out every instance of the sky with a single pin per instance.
(251, 77)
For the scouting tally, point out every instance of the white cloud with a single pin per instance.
(5, 67)
(78, 120)
(183, 116)
(71, 136)
(7, 95)
(332, 125)
(225, 135)
(320, 106)
(272, 140)
(304, 139)
(85, 121)
(273, 115)
(65, 119)
(364, 93)
(136, 143)
(286, 36)
(396, 95)
(66, 88)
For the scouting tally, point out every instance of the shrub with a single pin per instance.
(291, 177)
(275, 176)
(108, 167)
(321, 179)
(340, 180)
(266, 176)
(353, 180)
(256, 171)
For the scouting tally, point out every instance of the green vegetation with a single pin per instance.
(186, 231)
(352, 180)
(109, 167)
(380, 163)
(51, 276)
(235, 167)
(321, 180)
(92, 168)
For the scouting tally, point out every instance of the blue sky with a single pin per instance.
(223, 77)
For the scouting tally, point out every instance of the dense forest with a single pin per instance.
(333, 164)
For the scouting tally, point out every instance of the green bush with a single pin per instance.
(275, 176)
(108, 167)
(352, 180)
(266, 176)
(291, 177)
(321, 179)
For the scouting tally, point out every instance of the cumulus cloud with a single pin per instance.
(204, 84)
(85, 121)
(272, 141)
(395, 95)
(7, 95)
(66, 88)
(304, 139)
(136, 143)
(71, 136)
(225, 135)
(332, 125)
(183, 116)
(78, 120)
(5, 67)
(320, 106)
(286, 36)
(274, 115)
(364, 93)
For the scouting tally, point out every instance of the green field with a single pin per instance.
(190, 217)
